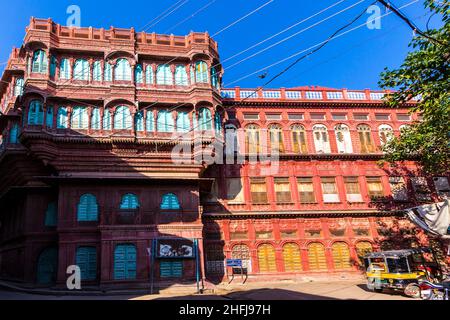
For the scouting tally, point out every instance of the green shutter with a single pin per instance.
(51, 215)
(171, 269)
(125, 262)
(47, 266)
(86, 259)
(87, 208)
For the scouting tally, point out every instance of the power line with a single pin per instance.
(160, 15)
(293, 35)
(191, 16)
(166, 15)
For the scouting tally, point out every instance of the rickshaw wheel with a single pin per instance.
(412, 290)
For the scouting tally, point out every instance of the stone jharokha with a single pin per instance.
(287, 180)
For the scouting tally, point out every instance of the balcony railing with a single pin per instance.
(147, 217)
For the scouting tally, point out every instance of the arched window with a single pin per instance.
(181, 78)
(62, 121)
(201, 71)
(183, 122)
(365, 138)
(122, 71)
(64, 69)
(343, 139)
(36, 113)
(165, 121)
(18, 87)
(108, 72)
(87, 209)
(386, 133)
(80, 118)
(341, 255)
(149, 75)
(292, 258)
(138, 74)
(204, 119)
(321, 139)
(47, 266)
(150, 121)
(164, 75)
(40, 62)
(53, 63)
(125, 262)
(218, 123)
(86, 259)
(95, 119)
(139, 121)
(276, 138)
(214, 78)
(14, 134)
(51, 215)
(49, 117)
(241, 251)
(252, 139)
(299, 139)
(362, 249)
(81, 70)
(97, 71)
(170, 201)
(266, 258)
(122, 118)
(316, 257)
(106, 120)
(129, 202)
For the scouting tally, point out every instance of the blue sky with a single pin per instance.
(353, 60)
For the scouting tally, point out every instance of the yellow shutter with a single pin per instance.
(266, 258)
(341, 255)
(316, 257)
(291, 257)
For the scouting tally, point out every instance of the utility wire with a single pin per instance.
(191, 16)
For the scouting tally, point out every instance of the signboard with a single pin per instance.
(175, 248)
(234, 263)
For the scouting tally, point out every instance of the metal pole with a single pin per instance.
(197, 271)
(152, 264)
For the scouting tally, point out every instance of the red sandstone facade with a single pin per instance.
(107, 134)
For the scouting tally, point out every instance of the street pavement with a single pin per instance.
(286, 290)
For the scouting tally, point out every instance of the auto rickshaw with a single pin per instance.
(401, 270)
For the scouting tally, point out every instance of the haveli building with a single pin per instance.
(90, 119)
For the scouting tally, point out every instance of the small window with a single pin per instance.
(288, 234)
(86, 259)
(258, 190)
(251, 116)
(129, 202)
(81, 70)
(442, 186)
(295, 116)
(62, 118)
(87, 209)
(122, 70)
(238, 235)
(398, 188)
(375, 188)
(317, 116)
(264, 235)
(282, 190)
(339, 116)
(125, 262)
(51, 215)
(421, 189)
(382, 116)
(352, 189)
(170, 202)
(273, 116)
(329, 189)
(138, 74)
(361, 116)
(306, 190)
(235, 191)
(122, 118)
(40, 62)
(171, 268)
(403, 117)
(201, 72)
(80, 118)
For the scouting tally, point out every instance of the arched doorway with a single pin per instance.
(47, 266)
(291, 258)
(316, 257)
(266, 258)
(341, 255)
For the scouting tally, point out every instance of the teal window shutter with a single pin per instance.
(80, 118)
(164, 75)
(205, 119)
(36, 113)
(149, 75)
(97, 71)
(53, 62)
(122, 70)
(108, 72)
(171, 269)
(95, 119)
(64, 69)
(125, 262)
(49, 117)
(18, 88)
(14, 134)
(129, 201)
(214, 78)
(62, 118)
(201, 71)
(107, 120)
(122, 118)
(170, 202)
(86, 259)
(181, 78)
(183, 123)
(47, 266)
(138, 75)
(51, 215)
(39, 63)
(81, 70)
(150, 121)
(139, 121)
(87, 209)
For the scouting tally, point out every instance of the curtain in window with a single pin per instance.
(95, 119)
(299, 139)
(138, 74)
(149, 75)
(122, 70)
(165, 121)
(139, 121)
(18, 87)
(129, 201)
(64, 69)
(80, 118)
(181, 78)
(62, 121)
(170, 202)
(87, 209)
(36, 113)
(204, 119)
(97, 71)
(164, 75)
(201, 71)
(39, 63)
(106, 120)
(122, 118)
(81, 70)
(150, 121)
(49, 117)
(183, 122)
